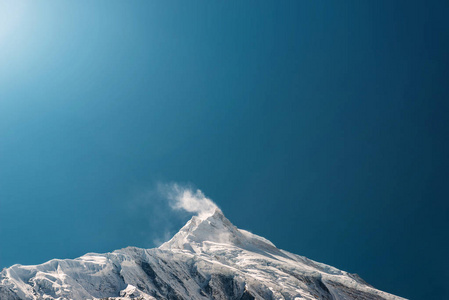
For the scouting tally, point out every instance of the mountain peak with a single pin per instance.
(212, 228)
(215, 228)
(227, 263)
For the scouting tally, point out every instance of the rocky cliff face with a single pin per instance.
(209, 258)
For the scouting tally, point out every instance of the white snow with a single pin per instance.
(209, 258)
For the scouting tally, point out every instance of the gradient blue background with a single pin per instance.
(320, 125)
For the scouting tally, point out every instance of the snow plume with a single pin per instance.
(188, 199)
(162, 208)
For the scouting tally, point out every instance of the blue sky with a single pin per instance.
(320, 125)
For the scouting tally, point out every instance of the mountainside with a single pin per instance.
(209, 258)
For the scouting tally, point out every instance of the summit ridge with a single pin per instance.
(209, 258)
(215, 228)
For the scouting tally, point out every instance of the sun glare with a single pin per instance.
(11, 15)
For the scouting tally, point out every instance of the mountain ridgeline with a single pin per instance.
(209, 258)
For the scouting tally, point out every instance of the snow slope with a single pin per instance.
(209, 258)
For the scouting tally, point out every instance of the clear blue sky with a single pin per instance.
(320, 125)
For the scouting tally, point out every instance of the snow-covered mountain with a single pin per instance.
(209, 258)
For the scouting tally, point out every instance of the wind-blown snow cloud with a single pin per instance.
(161, 210)
(185, 198)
